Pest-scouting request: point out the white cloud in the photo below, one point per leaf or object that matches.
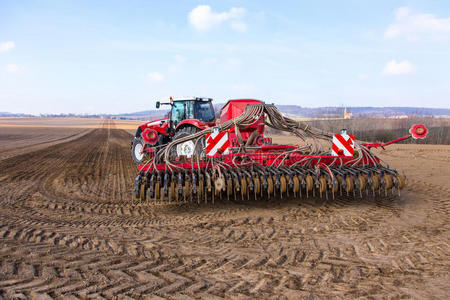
(203, 18)
(412, 25)
(180, 58)
(397, 68)
(11, 68)
(239, 26)
(6, 46)
(155, 77)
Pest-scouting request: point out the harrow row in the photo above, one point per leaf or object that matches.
(258, 182)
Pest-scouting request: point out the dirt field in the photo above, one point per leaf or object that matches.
(68, 230)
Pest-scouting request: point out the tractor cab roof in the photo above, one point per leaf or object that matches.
(191, 99)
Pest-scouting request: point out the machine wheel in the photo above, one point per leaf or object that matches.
(376, 181)
(388, 181)
(157, 191)
(322, 185)
(187, 148)
(172, 191)
(137, 145)
(143, 194)
(362, 182)
(296, 184)
(309, 183)
(350, 183)
(269, 186)
(283, 184)
(229, 187)
(243, 187)
(257, 184)
(401, 181)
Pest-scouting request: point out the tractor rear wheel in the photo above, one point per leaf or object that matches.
(187, 148)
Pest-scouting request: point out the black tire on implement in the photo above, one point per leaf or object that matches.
(186, 131)
(136, 146)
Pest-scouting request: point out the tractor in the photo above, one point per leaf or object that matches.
(186, 116)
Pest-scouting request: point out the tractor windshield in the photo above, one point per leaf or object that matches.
(201, 110)
(204, 111)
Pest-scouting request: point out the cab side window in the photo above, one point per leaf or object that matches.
(178, 112)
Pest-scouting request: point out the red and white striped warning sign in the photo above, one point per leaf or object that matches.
(215, 141)
(343, 144)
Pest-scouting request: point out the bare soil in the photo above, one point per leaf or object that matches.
(68, 230)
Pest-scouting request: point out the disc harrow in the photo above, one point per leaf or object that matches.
(264, 182)
(252, 169)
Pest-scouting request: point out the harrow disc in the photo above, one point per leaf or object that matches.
(349, 184)
(269, 186)
(143, 192)
(187, 190)
(172, 191)
(376, 181)
(388, 181)
(157, 190)
(243, 187)
(283, 184)
(257, 184)
(296, 186)
(229, 187)
(362, 182)
(309, 183)
(401, 181)
(322, 185)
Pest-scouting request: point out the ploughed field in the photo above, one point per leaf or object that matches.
(68, 229)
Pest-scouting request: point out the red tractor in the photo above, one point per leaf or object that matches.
(186, 116)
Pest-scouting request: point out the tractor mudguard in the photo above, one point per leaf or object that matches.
(160, 126)
(191, 122)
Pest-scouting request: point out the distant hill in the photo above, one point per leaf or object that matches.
(288, 110)
(8, 114)
(307, 112)
(368, 111)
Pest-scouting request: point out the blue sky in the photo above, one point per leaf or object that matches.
(121, 56)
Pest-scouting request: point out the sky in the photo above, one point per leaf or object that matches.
(122, 56)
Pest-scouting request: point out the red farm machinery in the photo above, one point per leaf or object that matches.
(191, 157)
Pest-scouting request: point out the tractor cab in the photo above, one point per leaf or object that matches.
(192, 111)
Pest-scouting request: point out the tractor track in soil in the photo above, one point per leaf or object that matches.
(68, 230)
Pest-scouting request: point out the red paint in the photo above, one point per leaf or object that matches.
(150, 136)
(212, 142)
(191, 122)
(346, 144)
(265, 159)
(418, 131)
(160, 125)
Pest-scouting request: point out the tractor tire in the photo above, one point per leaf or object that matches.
(137, 145)
(186, 131)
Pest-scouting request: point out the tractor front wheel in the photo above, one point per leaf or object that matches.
(137, 147)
